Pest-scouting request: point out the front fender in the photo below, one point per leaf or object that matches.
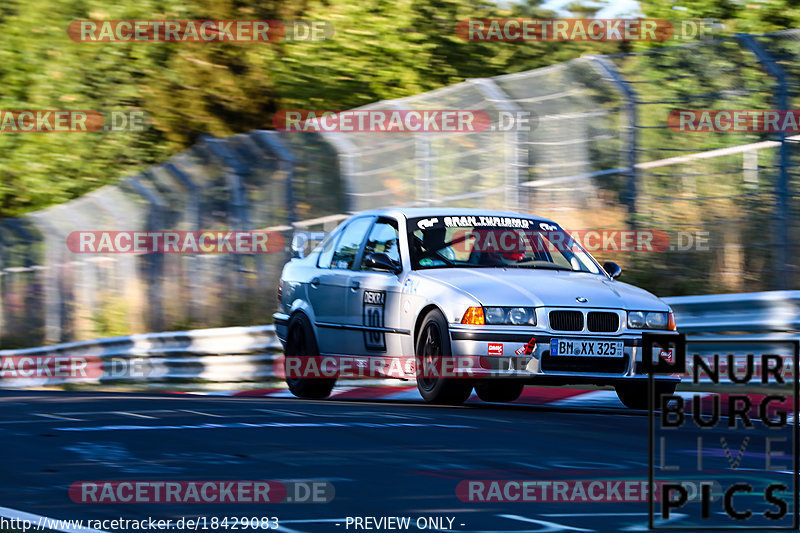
(451, 301)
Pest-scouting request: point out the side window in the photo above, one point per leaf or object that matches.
(346, 249)
(384, 238)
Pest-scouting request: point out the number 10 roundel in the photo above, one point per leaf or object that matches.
(374, 303)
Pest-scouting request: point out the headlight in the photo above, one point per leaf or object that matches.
(494, 315)
(647, 320)
(636, 319)
(518, 316)
(656, 320)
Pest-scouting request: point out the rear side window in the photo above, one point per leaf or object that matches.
(347, 248)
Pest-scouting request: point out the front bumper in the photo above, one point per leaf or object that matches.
(540, 367)
(281, 321)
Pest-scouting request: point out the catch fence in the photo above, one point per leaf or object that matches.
(599, 154)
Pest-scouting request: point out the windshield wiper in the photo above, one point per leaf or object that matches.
(542, 267)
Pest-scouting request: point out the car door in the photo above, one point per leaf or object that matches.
(374, 299)
(328, 289)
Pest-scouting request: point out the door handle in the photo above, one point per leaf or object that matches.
(354, 286)
(315, 282)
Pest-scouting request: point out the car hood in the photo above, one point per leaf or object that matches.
(538, 288)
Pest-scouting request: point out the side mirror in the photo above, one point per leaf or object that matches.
(381, 261)
(612, 269)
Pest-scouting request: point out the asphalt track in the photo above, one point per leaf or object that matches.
(401, 458)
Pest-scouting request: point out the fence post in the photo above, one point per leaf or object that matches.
(286, 160)
(610, 72)
(25, 236)
(516, 157)
(53, 259)
(195, 294)
(423, 155)
(154, 261)
(347, 166)
(272, 141)
(235, 171)
(3, 278)
(781, 188)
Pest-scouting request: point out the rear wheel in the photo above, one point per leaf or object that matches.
(634, 395)
(433, 348)
(498, 390)
(300, 342)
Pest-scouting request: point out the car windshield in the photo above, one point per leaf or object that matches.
(493, 241)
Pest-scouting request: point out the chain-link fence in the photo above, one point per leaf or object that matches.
(733, 187)
(598, 155)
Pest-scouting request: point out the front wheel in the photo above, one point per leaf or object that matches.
(300, 342)
(634, 395)
(433, 348)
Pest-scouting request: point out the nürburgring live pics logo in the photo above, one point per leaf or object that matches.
(746, 456)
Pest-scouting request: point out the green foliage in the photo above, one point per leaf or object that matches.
(747, 17)
(41, 68)
(381, 49)
(711, 194)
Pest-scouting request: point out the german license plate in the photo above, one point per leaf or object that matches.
(586, 348)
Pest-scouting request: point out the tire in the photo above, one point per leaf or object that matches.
(300, 342)
(634, 395)
(433, 344)
(498, 390)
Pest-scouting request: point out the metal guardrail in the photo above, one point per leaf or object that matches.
(249, 354)
(773, 311)
(707, 346)
(220, 355)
